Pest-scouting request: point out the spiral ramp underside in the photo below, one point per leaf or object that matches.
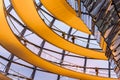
(25, 9)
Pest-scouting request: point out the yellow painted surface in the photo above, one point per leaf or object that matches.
(12, 44)
(27, 12)
(62, 11)
(3, 77)
(67, 6)
(103, 44)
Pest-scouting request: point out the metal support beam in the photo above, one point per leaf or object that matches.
(52, 22)
(39, 8)
(85, 61)
(58, 78)
(69, 33)
(109, 69)
(115, 8)
(9, 64)
(9, 9)
(41, 49)
(63, 52)
(16, 20)
(22, 33)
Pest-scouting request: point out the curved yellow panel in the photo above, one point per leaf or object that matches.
(67, 6)
(4, 77)
(27, 12)
(61, 10)
(10, 42)
(103, 44)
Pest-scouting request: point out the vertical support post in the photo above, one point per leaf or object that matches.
(85, 62)
(9, 64)
(109, 70)
(79, 8)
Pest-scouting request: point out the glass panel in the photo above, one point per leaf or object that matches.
(45, 76)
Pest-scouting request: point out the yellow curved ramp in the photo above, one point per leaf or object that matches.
(4, 77)
(67, 6)
(31, 18)
(103, 44)
(62, 11)
(12, 44)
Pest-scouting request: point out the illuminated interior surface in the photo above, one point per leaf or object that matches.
(65, 14)
(45, 59)
(36, 24)
(4, 77)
